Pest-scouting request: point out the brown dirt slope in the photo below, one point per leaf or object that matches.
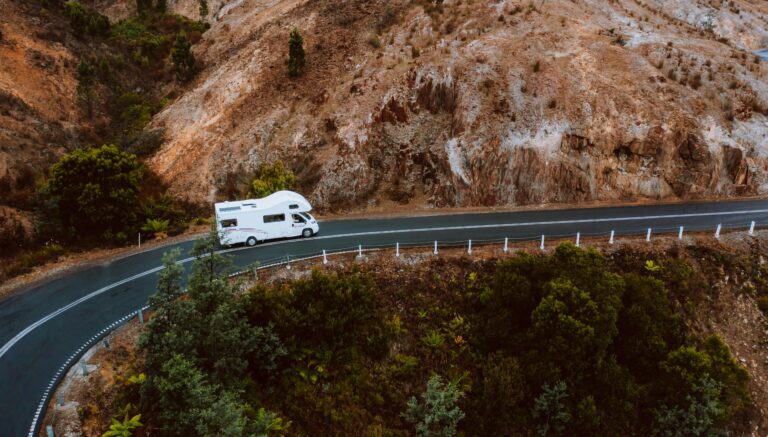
(478, 103)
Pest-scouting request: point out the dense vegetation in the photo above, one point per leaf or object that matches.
(124, 72)
(569, 344)
(93, 196)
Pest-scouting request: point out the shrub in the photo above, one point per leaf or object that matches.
(296, 57)
(86, 21)
(183, 59)
(272, 178)
(551, 410)
(95, 190)
(762, 303)
(49, 252)
(437, 414)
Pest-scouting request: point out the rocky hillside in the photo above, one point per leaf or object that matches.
(457, 103)
(478, 103)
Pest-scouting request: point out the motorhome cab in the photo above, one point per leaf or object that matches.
(280, 215)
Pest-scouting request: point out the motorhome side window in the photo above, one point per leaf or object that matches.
(293, 206)
(229, 223)
(274, 218)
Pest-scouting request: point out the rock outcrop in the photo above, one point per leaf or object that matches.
(477, 103)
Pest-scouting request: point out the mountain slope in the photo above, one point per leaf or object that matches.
(478, 103)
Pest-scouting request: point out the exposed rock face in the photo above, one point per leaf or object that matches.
(466, 103)
(478, 103)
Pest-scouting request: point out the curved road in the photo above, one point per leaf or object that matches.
(42, 326)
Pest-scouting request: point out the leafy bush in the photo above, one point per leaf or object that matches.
(95, 190)
(271, 178)
(437, 414)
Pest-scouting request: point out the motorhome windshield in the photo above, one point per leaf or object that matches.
(306, 216)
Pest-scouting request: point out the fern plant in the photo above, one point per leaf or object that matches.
(124, 428)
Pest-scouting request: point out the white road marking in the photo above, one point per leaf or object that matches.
(35, 325)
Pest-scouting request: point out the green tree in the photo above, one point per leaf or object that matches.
(272, 178)
(649, 327)
(551, 410)
(296, 56)
(182, 394)
(437, 414)
(95, 189)
(496, 395)
(183, 59)
(203, 9)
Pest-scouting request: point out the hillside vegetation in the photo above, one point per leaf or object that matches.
(574, 343)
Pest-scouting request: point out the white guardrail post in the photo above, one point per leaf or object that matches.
(752, 228)
(506, 244)
(469, 247)
(435, 251)
(397, 249)
(360, 250)
(578, 238)
(648, 235)
(610, 240)
(717, 231)
(680, 234)
(542, 242)
(325, 257)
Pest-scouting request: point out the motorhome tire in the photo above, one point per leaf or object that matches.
(251, 241)
(306, 233)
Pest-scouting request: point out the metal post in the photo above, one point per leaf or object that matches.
(542, 242)
(506, 244)
(49, 430)
(360, 250)
(610, 240)
(140, 315)
(578, 237)
(752, 228)
(680, 234)
(106, 343)
(648, 235)
(139, 239)
(717, 231)
(397, 249)
(435, 252)
(84, 367)
(469, 247)
(325, 258)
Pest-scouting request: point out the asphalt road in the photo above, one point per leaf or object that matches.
(42, 326)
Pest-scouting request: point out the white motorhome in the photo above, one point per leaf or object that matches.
(282, 214)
